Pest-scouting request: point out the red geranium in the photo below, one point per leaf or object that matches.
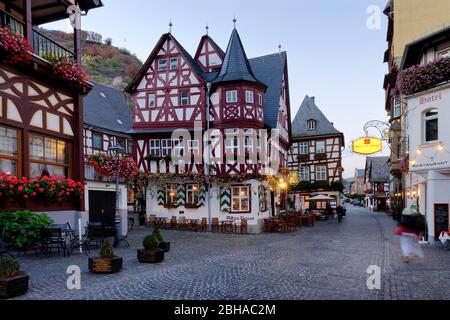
(65, 69)
(13, 47)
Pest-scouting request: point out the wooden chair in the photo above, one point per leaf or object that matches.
(215, 227)
(267, 225)
(182, 224)
(151, 221)
(174, 223)
(204, 225)
(243, 227)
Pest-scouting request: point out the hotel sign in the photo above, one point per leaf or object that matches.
(367, 146)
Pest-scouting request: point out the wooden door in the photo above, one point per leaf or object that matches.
(102, 207)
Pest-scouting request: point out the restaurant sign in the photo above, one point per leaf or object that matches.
(367, 146)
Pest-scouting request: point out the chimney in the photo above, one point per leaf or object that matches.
(313, 99)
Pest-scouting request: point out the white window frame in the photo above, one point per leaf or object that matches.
(155, 148)
(260, 100)
(445, 53)
(323, 149)
(321, 173)
(244, 194)
(231, 96)
(311, 125)
(305, 173)
(248, 144)
(303, 148)
(232, 144)
(162, 66)
(173, 62)
(425, 123)
(249, 96)
(152, 100)
(171, 193)
(193, 147)
(178, 148)
(184, 100)
(397, 107)
(192, 192)
(166, 147)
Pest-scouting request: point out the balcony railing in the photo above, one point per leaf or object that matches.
(91, 174)
(41, 44)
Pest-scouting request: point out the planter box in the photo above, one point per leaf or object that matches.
(164, 245)
(105, 266)
(14, 287)
(155, 256)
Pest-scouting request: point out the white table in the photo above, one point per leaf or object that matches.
(445, 237)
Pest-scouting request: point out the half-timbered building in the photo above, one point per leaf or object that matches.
(238, 99)
(41, 116)
(316, 154)
(107, 121)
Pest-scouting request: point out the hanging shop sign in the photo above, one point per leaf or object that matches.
(367, 145)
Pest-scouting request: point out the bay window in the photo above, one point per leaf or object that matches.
(249, 97)
(48, 156)
(240, 199)
(232, 96)
(9, 150)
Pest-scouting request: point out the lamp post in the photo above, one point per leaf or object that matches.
(207, 160)
(117, 151)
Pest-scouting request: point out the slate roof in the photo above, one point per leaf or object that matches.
(105, 107)
(270, 70)
(266, 70)
(360, 173)
(235, 66)
(379, 169)
(310, 111)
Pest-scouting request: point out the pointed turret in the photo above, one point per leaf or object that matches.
(236, 66)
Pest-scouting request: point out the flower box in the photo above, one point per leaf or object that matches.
(105, 265)
(150, 256)
(14, 286)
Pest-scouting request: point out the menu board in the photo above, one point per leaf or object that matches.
(441, 219)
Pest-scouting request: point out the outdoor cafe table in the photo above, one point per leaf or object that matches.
(445, 237)
(228, 226)
(192, 223)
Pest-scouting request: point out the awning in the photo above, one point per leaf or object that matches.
(321, 198)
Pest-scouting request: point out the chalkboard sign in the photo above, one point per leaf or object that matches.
(441, 219)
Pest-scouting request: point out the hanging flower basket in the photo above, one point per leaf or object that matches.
(14, 48)
(107, 166)
(421, 78)
(64, 69)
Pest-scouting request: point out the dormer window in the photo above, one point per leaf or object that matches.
(162, 64)
(173, 63)
(232, 96)
(312, 125)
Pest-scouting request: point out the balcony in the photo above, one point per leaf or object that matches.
(90, 174)
(40, 43)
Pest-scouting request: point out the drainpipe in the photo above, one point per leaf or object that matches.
(207, 160)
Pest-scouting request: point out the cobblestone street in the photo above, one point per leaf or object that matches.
(328, 261)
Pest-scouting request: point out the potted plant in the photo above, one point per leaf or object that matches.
(164, 245)
(151, 252)
(107, 263)
(13, 282)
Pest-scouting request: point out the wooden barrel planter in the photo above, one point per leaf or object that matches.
(164, 245)
(150, 256)
(105, 265)
(14, 286)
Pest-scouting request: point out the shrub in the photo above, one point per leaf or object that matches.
(23, 227)
(151, 242)
(9, 267)
(157, 234)
(106, 250)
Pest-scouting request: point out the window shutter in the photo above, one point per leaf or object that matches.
(202, 197)
(225, 199)
(181, 195)
(161, 199)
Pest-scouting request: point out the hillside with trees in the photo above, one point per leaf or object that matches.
(104, 62)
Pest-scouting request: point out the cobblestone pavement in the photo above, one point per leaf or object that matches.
(328, 261)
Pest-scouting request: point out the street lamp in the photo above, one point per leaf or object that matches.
(117, 151)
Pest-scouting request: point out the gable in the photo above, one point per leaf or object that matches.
(209, 55)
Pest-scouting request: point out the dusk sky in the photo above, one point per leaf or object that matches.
(332, 54)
